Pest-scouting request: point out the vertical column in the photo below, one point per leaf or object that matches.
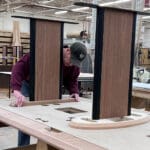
(113, 63)
(46, 47)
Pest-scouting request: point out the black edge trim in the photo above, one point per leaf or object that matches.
(32, 58)
(24, 17)
(131, 63)
(98, 63)
(61, 60)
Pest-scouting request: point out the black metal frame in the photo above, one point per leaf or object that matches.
(131, 63)
(32, 57)
(98, 63)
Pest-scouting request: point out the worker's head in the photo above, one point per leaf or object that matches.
(83, 34)
(75, 54)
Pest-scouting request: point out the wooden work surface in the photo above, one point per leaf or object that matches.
(36, 120)
(141, 90)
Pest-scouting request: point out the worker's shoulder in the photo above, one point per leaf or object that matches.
(26, 57)
(75, 70)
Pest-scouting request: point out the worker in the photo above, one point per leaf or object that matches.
(83, 35)
(72, 58)
(86, 66)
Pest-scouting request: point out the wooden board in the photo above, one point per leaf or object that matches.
(115, 64)
(30, 147)
(47, 59)
(141, 98)
(59, 140)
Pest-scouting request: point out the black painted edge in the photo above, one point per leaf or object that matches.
(32, 58)
(61, 61)
(131, 63)
(98, 64)
(52, 20)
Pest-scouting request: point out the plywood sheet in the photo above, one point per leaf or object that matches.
(51, 117)
(60, 140)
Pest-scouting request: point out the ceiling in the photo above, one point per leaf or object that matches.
(48, 8)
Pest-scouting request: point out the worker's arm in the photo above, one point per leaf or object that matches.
(20, 72)
(19, 99)
(73, 84)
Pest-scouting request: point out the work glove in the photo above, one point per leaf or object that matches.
(75, 96)
(20, 99)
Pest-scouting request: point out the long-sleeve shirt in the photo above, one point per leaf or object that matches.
(21, 72)
(70, 78)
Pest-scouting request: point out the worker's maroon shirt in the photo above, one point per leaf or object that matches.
(20, 72)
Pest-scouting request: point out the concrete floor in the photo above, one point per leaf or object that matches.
(9, 138)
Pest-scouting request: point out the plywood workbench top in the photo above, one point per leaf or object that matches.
(130, 138)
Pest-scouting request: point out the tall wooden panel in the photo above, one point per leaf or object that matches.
(47, 60)
(116, 60)
(46, 47)
(113, 63)
(114, 54)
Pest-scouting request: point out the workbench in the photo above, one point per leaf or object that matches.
(141, 95)
(7, 73)
(140, 91)
(49, 123)
(86, 77)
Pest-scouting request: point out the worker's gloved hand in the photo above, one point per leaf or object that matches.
(20, 99)
(75, 96)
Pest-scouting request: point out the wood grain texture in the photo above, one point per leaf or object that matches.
(47, 102)
(41, 145)
(116, 61)
(58, 140)
(142, 93)
(33, 147)
(29, 147)
(47, 60)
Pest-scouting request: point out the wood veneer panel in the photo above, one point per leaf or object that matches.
(116, 59)
(47, 60)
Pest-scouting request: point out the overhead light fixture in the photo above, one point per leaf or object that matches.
(114, 2)
(46, 1)
(22, 11)
(60, 12)
(146, 17)
(80, 9)
(89, 17)
(145, 9)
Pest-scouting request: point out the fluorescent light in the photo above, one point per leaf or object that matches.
(146, 9)
(22, 11)
(60, 12)
(88, 17)
(46, 1)
(115, 2)
(81, 8)
(146, 17)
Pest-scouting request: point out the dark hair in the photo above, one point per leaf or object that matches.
(82, 33)
(65, 46)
